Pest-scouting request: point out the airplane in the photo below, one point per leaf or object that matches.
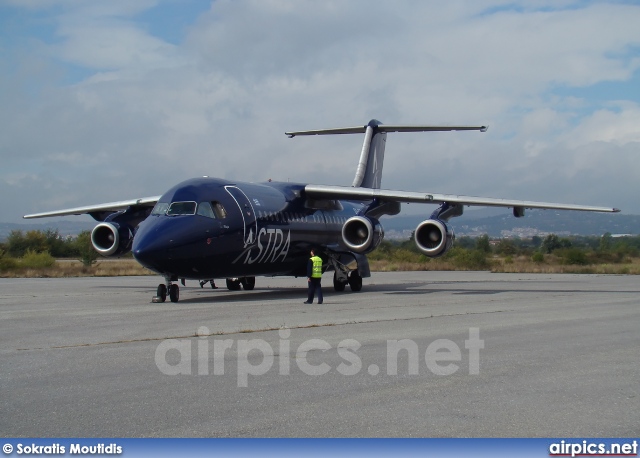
(212, 228)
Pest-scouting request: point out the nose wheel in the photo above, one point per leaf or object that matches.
(172, 289)
(174, 292)
(161, 293)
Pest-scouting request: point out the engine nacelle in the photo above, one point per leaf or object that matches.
(111, 239)
(433, 237)
(361, 234)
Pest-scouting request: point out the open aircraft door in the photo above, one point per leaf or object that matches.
(248, 214)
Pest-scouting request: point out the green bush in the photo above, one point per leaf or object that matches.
(404, 255)
(471, 259)
(18, 243)
(7, 263)
(537, 257)
(573, 256)
(33, 260)
(605, 257)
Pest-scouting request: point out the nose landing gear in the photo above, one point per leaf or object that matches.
(163, 288)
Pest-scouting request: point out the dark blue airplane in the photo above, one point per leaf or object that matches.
(208, 228)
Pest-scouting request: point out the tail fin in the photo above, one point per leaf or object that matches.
(369, 171)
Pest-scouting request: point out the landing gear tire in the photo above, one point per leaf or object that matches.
(161, 292)
(174, 293)
(248, 283)
(337, 284)
(355, 281)
(233, 284)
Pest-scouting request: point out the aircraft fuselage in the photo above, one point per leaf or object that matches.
(212, 228)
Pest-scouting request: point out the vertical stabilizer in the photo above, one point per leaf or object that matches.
(369, 172)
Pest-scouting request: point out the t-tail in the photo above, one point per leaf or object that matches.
(369, 171)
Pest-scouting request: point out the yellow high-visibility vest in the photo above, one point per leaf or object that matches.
(316, 271)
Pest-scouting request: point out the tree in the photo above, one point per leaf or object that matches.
(565, 243)
(466, 242)
(506, 247)
(482, 244)
(56, 245)
(88, 256)
(16, 244)
(606, 242)
(550, 243)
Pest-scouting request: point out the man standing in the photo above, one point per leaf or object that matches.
(314, 276)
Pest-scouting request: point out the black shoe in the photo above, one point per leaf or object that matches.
(320, 302)
(307, 302)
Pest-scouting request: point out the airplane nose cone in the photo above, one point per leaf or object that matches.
(152, 243)
(149, 251)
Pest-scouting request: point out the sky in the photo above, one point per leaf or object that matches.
(108, 100)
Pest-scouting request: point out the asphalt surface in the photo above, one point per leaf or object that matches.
(484, 355)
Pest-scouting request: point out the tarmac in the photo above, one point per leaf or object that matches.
(414, 354)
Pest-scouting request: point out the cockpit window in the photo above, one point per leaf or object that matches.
(204, 209)
(219, 210)
(160, 208)
(182, 208)
(213, 210)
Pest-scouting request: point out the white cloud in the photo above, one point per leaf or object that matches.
(148, 113)
(618, 126)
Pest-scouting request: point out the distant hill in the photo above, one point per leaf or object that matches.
(535, 222)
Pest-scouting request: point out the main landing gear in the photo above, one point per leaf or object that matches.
(344, 274)
(247, 283)
(354, 280)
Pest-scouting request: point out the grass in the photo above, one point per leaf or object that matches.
(553, 265)
(74, 268)
(509, 264)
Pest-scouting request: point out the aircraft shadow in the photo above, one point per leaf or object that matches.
(418, 289)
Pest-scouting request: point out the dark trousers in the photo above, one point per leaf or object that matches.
(314, 285)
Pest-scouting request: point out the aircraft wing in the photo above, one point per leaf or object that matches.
(109, 207)
(386, 195)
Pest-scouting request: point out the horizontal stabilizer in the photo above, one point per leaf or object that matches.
(386, 128)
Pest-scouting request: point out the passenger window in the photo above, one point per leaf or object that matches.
(204, 209)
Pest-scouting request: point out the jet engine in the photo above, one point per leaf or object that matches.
(434, 237)
(111, 239)
(361, 234)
